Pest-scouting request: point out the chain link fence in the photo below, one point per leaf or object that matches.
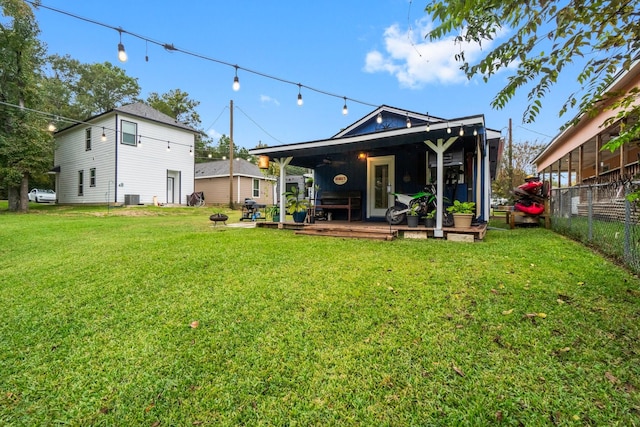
(600, 216)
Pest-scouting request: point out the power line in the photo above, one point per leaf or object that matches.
(255, 123)
(171, 48)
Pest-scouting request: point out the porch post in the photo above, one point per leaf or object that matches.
(440, 147)
(486, 203)
(282, 163)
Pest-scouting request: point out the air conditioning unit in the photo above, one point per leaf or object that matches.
(131, 199)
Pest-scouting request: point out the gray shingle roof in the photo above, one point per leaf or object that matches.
(220, 168)
(144, 111)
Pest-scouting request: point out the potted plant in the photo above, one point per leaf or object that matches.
(462, 213)
(412, 215)
(274, 213)
(430, 219)
(296, 204)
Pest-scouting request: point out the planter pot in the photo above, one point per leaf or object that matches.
(412, 221)
(299, 216)
(276, 218)
(462, 220)
(430, 222)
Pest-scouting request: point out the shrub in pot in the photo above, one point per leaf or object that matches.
(462, 213)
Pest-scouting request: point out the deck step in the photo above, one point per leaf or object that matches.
(354, 233)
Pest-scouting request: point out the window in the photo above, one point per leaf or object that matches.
(87, 139)
(256, 187)
(80, 183)
(92, 177)
(129, 132)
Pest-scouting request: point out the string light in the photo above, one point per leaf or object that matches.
(103, 138)
(379, 118)
(236, 81)
(191, 150)
(300, 101)
(448, 128)
(475, 132)
(140, 141)
(428, 124)
(168, 146)
(122, 55)
(171, 48)
(408, 121)
(345, 110)
(461, 133)
(51, 127)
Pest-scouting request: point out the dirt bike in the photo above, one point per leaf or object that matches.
(420, 203)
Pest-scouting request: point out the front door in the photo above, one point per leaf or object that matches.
(380, 176)
(170, 198)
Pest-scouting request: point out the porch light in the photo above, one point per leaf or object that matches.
(263, 162)
(345, 110)
(122, 55)
(236, 81)
(362, 156)
(379, 118)
(103, 138)
(300, 102)
(408, 121)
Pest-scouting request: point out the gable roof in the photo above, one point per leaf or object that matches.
(387, 118)
(220, 168)
(141, 110)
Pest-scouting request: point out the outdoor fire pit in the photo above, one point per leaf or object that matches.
(218, 217)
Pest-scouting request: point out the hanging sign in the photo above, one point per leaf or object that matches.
(340, 179)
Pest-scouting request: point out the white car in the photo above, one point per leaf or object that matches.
(42, 196)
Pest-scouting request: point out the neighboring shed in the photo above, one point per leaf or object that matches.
(212, 178)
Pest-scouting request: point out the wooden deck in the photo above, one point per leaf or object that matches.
(378, 230)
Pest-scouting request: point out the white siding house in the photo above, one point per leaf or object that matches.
(131, 154)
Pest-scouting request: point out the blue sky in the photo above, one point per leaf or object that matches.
(369, 51)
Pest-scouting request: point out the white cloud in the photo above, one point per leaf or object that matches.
(416, 61)
(214, 134)
(266, 99)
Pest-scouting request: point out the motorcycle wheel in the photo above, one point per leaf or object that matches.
(393, 217)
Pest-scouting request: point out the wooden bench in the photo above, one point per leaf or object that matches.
(340, 200)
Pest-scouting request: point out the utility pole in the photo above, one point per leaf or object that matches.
(231, 204)
(510, 158)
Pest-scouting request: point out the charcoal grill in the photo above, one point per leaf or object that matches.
(251, 210)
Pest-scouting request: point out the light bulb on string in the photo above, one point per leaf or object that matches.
(448, 128)
(103, 138)
(236, 81)
(122, 55)
(461, 132)
(168, 146)
(408, 121)
(345, 110)
(475, 132)
(300, 101)
(379, 118)
(191, 150)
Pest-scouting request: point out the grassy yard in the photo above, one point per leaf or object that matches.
(152, 317)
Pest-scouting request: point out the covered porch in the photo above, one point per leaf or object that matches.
(393, 150)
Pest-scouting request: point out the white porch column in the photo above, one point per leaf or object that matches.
(282, 163)
(440, 147)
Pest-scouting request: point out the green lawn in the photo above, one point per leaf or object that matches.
(525, 328)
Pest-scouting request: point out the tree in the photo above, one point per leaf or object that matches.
(603, 35)
(79, 91)
(178, 105)
(25, 145)
(523, 155)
